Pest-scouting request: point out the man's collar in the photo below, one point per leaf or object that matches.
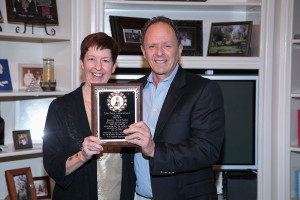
(168, 79)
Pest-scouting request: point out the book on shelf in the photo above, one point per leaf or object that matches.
(5, 81)
(297, 184)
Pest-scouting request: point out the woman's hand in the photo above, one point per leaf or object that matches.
(90, 146)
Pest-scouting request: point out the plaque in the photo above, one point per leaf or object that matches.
(115, 106)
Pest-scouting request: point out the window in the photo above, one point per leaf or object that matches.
(31, 114)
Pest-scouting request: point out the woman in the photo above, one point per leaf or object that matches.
(72, 157)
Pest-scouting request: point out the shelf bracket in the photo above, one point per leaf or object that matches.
(52, 30)
(25, 26)
(18, 28)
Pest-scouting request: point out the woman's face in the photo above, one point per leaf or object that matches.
(97, 65)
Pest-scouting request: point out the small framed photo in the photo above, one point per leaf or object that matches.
(230, 39)
(20, 183)
(42, 187)
(191, 37)
(32, 11)
(22, 139)
(27, 72)
(127, 31)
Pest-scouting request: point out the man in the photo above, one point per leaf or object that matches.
(183, 128)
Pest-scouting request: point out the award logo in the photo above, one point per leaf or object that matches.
(116, 101)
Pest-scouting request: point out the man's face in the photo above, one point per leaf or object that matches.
(161, 50)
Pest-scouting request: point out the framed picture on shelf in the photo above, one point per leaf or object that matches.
(230, 39)
(127, 31)
(191, 37)
(42, 187)
(5, 80)
(33, 11)
(20, 183)
(27, 72)
(22, 139)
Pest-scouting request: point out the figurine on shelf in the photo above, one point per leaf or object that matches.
(34, 86)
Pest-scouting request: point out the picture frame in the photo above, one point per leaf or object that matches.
(29, 71)
(5, 80)
(35, 12)
(115, 106)
(22, 139)
(127, 32)
(230, 38)
(20, 183)
(42, 187)
(191, 37)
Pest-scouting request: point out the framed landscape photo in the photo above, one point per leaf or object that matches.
(115, 106)
(191, 37)
(29, 71)
(32, 11)
(127, 31)
(230, 39)
(42, 187)
(20, 183)
(22, 139)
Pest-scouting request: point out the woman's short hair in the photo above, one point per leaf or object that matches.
(99, 40)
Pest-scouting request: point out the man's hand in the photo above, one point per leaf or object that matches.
(141, 136)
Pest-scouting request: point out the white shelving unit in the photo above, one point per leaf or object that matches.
(222, 11)
(30, 48)
(286, 97)
(32, 37)
(36, 149)
(294, 95)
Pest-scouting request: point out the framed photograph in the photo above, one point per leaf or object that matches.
(22, 139)
(191, 37)
(5, 80)
(115, 106)
(42, 187)
(20, 183)
(229, 39)
(127, 31)
(32, 11)
(29, 71)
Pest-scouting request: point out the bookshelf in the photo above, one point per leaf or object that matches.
(286, 95)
